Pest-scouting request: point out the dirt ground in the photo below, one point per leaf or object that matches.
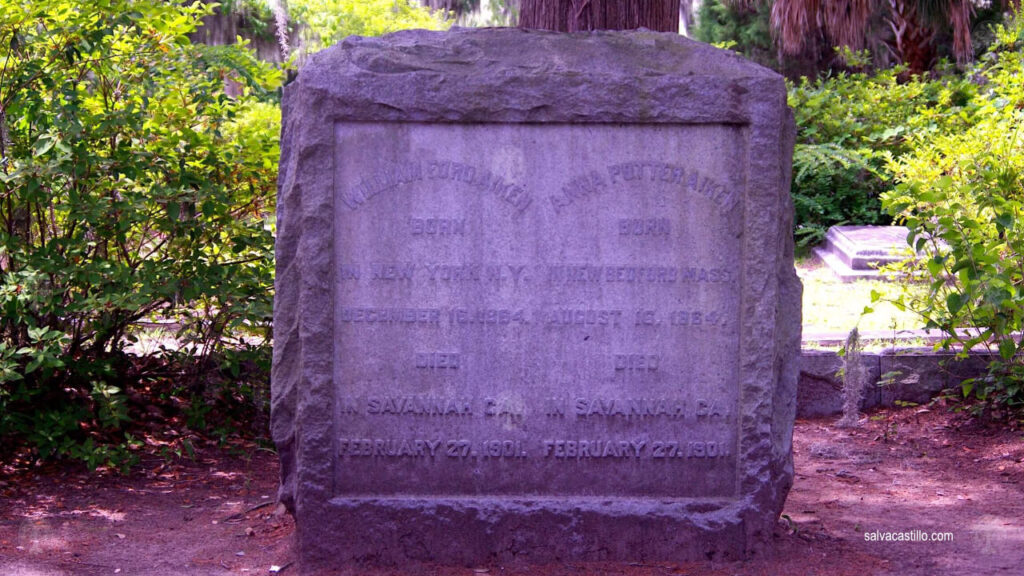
(906, 470)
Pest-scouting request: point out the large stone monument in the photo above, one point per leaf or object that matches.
(535, 300)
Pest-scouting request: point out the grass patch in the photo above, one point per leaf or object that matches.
(831, 305)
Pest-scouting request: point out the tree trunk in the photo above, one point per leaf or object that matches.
(912, 42)
(579, 15)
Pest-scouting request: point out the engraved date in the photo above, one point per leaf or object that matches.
(672, 449)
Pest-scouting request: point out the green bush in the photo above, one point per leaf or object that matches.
(849, 128)
(961, 194)
(329, 21)
(745, 28)
(132, 186)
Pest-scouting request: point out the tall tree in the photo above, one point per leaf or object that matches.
(579, 15)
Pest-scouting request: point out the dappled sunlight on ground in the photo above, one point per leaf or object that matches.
(961, 485)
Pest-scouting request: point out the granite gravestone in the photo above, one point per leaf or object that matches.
(535, 299)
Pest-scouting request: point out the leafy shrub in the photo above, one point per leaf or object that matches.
(849, 128)
(746, 27)
(329, 21)
(961, 193)
(132, 186)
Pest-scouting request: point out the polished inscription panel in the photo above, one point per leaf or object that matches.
(537, 309)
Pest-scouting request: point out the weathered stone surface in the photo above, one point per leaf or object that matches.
(892, 375)
(918, 375)
(535, 300)
(820, 389)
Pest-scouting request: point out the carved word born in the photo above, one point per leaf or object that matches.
(437, 226)
(645, 227)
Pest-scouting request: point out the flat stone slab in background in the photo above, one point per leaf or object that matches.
(856, 252)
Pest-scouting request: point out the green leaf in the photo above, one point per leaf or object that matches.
(1007, 348)
(42, 145)
(954, 302)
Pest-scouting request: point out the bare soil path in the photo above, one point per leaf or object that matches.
(913, 471)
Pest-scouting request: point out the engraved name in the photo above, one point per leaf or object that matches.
(685, 180)
(692, 181)
(391, 177)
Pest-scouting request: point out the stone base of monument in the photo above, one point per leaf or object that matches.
(471, 531)
(857, 252)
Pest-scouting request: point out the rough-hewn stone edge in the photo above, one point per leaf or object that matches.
(286, 352)
(474, 531)
(302, 391)
(788, 328)
(403, 87)
(770, 314)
